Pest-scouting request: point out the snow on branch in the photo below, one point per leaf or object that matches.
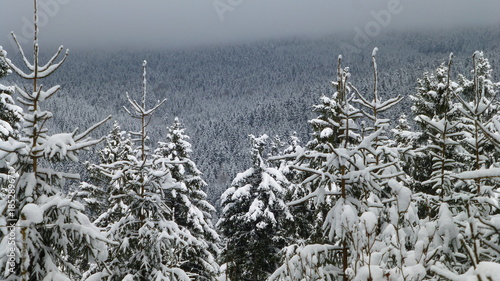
(11, 145)
(64, 146)
(89, 130)
(307, 262)
(26, 62)
(140, 111)
(37, 72)
(479, 174)
(319, 193)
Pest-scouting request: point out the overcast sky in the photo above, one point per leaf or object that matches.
(154, 23)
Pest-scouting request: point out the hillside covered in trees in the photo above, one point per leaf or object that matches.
(224, 93)
(276, 160)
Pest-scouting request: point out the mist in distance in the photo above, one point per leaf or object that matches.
(182, 23)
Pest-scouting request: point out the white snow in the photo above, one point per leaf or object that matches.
(241, 176)
(485, 173)
(32, 213)
(327, 132)
(446, 224)
(370, 221)
(59, 144)
(483, 271)
(403, 195)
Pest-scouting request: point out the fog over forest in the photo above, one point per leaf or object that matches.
(158, 23)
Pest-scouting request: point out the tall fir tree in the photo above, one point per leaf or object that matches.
(252, 219)
(188, 202)
(149, 244)
(305, 228)
(96, 191)
(371, 215)
(473, 205)
(326, 162)
(48, 234)
(432, 102)
(10, 121)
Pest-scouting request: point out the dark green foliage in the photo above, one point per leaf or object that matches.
(4, 68)
(253, 219)
(188, 203)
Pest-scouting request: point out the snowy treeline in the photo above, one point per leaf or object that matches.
(356, 201)
(363, 202)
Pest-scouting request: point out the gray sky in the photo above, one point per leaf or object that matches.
(154, 23)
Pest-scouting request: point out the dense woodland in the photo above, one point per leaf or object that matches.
(222, 94)
(275, 160)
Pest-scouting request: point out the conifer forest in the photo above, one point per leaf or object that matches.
(290, 159)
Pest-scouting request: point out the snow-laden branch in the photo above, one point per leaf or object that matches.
(37, 72)
(318, 193)
(51, 61)
(89, 130)
(478, 174)
(11, 145)
(25, 59)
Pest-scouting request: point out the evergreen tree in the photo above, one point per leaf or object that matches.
(251, 223)
(4, 67)
(433, 101)
(472, 200)
(441, 127)
(95, 193)
(326, 161)
(371, 220)
(188, 202)
(479, 106)
(305, 228)
(149, 244)
(49, 237)
(10, 121)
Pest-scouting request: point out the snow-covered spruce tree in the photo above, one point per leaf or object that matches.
(472, 202)
(188, 202)
(372, 111)
(305, 228)
(10, 120)
(150, 243)
(440, 127)
(479, 106)
(371, 224)
(431, 102)
(4, 68)
(251, 223)
(96, 192)
(441, 130)
(381, 222)
(383, 232)
(326, 161)
(46, 229)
